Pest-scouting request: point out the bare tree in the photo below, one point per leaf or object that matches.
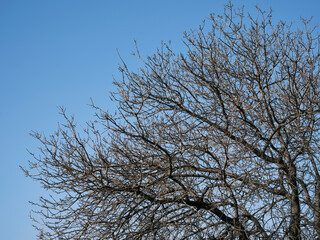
(219, 142)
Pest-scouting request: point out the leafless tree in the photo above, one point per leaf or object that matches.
(219, 142)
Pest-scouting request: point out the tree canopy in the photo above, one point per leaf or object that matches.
(218, 142)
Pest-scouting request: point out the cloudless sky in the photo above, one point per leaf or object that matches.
(63, 52)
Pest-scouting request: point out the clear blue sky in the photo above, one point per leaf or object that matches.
(62, 52)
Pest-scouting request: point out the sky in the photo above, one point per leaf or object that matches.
(64, 52)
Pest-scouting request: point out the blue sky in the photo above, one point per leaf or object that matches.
(63, 52)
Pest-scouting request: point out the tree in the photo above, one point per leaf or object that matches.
(220, 142)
